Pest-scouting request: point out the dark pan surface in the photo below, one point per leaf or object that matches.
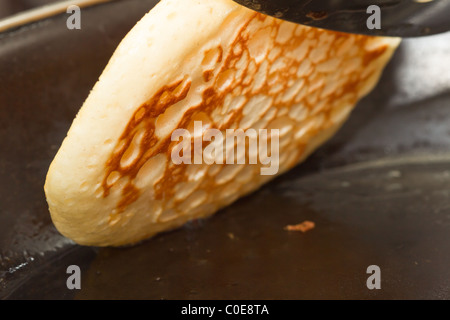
(379, 192)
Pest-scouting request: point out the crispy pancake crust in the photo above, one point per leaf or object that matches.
(113, 182)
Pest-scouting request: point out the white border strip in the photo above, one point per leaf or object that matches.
(43, 12)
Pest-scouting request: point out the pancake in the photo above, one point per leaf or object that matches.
(113, 181)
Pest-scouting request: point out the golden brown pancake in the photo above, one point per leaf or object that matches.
(113, 181)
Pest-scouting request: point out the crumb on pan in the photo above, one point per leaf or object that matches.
(302, 227)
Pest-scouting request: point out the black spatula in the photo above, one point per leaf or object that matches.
(402, 18)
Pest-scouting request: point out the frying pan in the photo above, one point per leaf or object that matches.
(378, 192)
